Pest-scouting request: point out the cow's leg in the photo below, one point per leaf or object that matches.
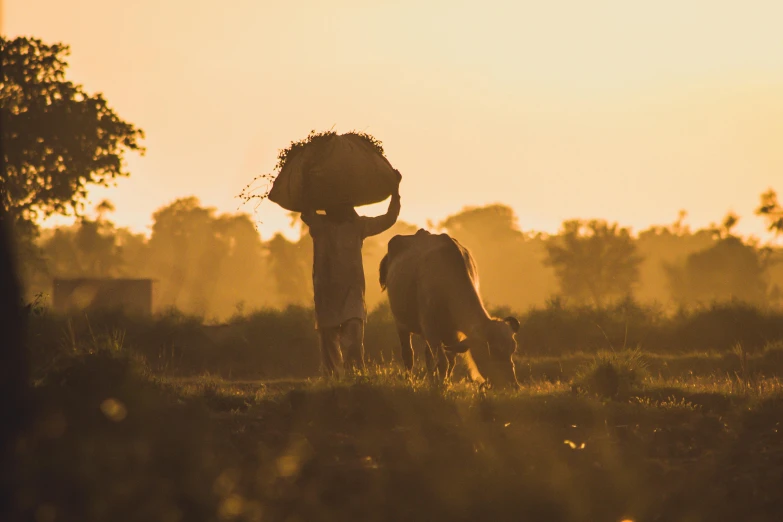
(474, 375)
(450, 350)
(451, 359)
(406, 348)
(432, 332)
(352, 344)
(433, 346)
(443, 363)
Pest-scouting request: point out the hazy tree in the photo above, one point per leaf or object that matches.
(723, 230)
(57, 139)
(594, 260)
(663, 246)
(511, 269)
(730, 269)
(291, 266)
(772, 211)
(207, 264)
(135, 253)
(244, 273)
(496, 223)
(89, 248)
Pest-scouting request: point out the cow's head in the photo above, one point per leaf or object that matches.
(502, 344)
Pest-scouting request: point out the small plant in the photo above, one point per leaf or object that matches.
(745, 380)
(612, 375)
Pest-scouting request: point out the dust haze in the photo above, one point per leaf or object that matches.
(216, 265)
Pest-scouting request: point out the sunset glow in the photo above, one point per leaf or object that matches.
(560, 110)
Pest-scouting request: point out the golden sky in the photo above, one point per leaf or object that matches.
(627, 111)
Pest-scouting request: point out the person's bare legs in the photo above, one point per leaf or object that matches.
(331, 363)
(352, 344)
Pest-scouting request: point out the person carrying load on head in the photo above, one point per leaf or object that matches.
(338, 278)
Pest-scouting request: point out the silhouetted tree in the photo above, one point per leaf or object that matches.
(57, 139)
(594, 260)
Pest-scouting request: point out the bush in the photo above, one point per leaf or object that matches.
(556, 329)
(275, 343)
(613, 375)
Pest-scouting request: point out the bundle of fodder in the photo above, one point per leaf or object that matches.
(348, 168)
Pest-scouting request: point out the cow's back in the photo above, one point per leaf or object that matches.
(427, 272)
(447, 273)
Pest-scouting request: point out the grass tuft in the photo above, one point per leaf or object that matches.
(613, 375)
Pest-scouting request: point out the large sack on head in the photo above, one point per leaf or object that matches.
(347, 168)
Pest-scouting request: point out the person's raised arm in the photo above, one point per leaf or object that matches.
(310, 218)
(376, 225)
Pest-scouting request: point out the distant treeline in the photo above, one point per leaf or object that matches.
(215, 265)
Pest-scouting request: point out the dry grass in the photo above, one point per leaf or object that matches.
(113, 440)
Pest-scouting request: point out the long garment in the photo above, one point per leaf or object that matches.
(338, 273)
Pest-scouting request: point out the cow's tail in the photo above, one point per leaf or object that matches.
(383, 270)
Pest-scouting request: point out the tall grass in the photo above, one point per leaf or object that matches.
(274, 343)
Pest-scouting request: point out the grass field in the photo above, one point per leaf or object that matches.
(622, 435)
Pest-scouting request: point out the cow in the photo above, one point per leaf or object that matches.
(433, 288)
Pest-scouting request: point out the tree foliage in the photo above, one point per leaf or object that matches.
(593, 260)
(57, 139)
(772, 211)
